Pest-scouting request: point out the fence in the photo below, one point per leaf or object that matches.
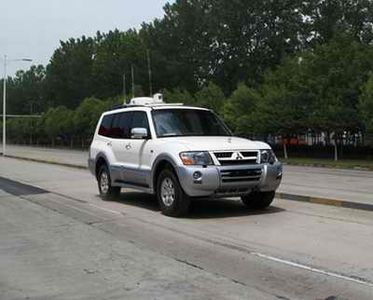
(325, 152)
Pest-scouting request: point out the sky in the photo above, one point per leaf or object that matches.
(33, 28)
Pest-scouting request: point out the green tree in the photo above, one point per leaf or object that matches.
(18, 130)
(116, 53)
(328, 18)
(178, 96)
(86, 117)
(179, 43)
(211, 97)
(318, 90)
(240, 108)
(69, 73)
(56, 123)
(366, 105)
(25, 91)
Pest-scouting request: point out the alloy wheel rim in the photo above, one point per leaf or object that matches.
(104, 183)
(167, 192)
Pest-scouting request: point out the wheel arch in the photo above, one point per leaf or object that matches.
(162, 162)
(100, 161)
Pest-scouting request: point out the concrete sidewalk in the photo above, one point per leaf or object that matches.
(336, 187)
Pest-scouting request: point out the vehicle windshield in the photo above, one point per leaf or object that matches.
(188, 122)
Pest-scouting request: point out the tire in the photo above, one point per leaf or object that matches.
(107, 191)
(258, 200)
(172, 199)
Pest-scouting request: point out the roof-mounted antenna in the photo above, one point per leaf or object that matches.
(133, 81)
(124, 89)
(149, 72)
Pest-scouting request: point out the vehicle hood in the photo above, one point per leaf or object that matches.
(218, 143)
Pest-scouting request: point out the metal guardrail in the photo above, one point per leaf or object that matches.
(22, 116)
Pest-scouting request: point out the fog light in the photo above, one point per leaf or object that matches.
(197, 175)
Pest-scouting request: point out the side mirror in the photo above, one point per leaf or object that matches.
(139, 133)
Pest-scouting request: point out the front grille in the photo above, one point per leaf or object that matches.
(223, 154)
(250, 153)
(238, 162)
(234, 158)
(245, 175)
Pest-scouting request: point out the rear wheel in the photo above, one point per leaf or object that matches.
(171, 197)
(258, 200)
(107, 191)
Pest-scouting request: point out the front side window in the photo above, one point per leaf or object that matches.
(188, 122)
(140, 120)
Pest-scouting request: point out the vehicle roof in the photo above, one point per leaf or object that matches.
(152, 107)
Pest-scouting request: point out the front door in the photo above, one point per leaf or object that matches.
(138, 151)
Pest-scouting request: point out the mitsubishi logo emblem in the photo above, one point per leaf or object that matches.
(237, 156)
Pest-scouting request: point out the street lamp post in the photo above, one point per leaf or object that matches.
(4, 106)
(4, 97)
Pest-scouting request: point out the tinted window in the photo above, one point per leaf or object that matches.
(140, 120)
(121, 126)
(188, 122)
(105, 125)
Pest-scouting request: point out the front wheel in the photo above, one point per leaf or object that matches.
(107, 191)
(258, 200)
(171, 197)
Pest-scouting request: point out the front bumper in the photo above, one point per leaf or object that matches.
(218, 181)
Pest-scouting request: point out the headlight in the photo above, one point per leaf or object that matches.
(267, 157)
(196, 158)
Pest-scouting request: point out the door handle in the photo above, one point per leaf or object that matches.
(109, 144)
(128, 146)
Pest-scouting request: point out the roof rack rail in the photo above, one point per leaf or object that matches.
(119, 106)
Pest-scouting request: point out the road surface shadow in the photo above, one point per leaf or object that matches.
(137, 199)
(200, 208)
(225, 208)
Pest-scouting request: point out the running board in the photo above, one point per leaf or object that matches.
(140, 187)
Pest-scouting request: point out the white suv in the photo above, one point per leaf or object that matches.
(179, 153)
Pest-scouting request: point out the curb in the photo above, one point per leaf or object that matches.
(326, 166)
(47, 162)
(325, 201)
(283, 196)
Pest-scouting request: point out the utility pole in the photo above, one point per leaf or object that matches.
(124, 88)
(133, 81)
(150, 73)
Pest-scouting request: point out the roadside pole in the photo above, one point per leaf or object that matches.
(4, 97)
(4, 106)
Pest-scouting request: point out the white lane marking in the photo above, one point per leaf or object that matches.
(241, 248)
(258, 254)
(105, 209)
(312, 269)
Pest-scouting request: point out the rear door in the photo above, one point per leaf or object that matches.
(120, 132)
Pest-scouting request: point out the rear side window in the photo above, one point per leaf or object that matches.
(118, 126)
(105, 126)
(121, 126)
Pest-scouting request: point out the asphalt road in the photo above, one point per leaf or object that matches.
(59, 240)
(345, 185)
